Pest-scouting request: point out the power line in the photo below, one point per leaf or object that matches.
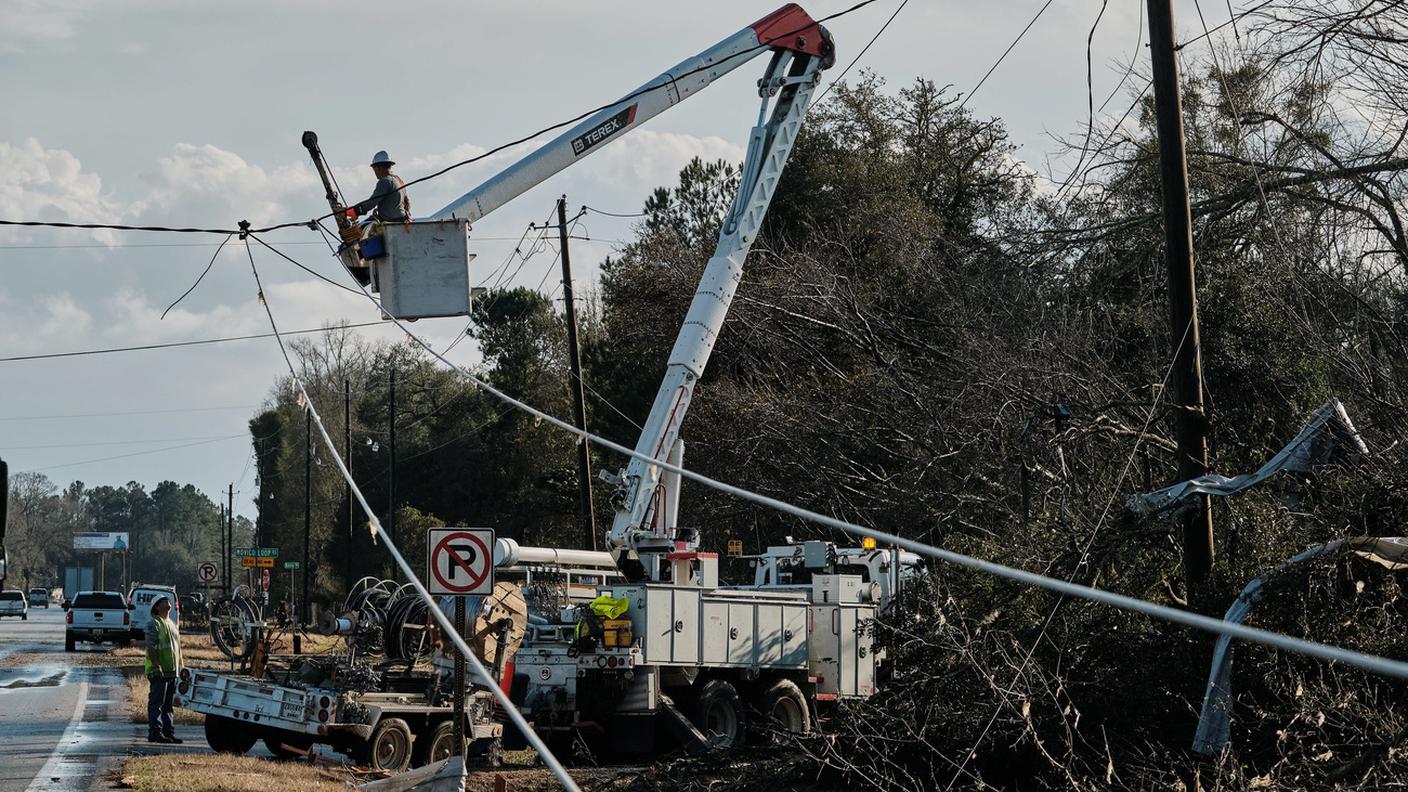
(139, 453)
(665, 85)
(174, 344)
(132, 412)
(113, 443)
(862, 52)
(586, 208)
(546, 754)
(1004, 54)
(1375, 664)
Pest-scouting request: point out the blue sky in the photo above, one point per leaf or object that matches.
(175, 112)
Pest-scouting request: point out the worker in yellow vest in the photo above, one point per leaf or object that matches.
(163, 663)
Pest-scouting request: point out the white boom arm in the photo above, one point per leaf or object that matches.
(644, 531)
(788, 28)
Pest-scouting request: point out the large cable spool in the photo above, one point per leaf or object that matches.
(504, 604)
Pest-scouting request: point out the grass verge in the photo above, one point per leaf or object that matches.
(137, 689)
(224, 773)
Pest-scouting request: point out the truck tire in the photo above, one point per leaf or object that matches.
(389, 747)
(276, 744)
(718, 713)
(227, 735)
(783, 710)
(68, 642)
(433, 747)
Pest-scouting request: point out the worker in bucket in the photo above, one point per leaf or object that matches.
(162, 664)
(388, 202)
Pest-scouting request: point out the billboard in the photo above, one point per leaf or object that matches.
(100, 540)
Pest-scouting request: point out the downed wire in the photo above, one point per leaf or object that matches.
(1373, 663)
(374, 525)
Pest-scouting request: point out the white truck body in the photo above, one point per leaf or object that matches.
(97, 617)
(141, 598)
(13, 603)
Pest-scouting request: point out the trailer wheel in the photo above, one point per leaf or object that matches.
(436, 746)
(226, 735)
(389, 747)
(718, 712)
(784, 710)
(280, 747)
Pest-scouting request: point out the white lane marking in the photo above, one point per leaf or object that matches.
(51, 767)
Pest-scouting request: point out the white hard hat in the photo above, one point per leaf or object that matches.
(382, 158)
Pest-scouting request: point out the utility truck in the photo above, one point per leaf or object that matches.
(677, 649)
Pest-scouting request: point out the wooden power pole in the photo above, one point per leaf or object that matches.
(1190, 421)
(586, 512)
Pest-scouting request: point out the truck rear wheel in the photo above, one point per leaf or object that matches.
(718, 712)
(68, 642)
(436, 746)
(784, 709)
(389, 747)
(226, 735)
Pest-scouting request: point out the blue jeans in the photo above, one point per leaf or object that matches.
(159, 706)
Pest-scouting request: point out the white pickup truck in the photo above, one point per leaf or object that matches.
(98, 617)
(12, 603)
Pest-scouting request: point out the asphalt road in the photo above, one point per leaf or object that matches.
(60, 725)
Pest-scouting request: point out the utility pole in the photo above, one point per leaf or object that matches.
(220, 529)
(230, 538)
(347, 450)
(1190, 421)
(391, 479)
(302, 611)
(586, 513)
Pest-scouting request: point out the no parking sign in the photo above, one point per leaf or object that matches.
(460, 561)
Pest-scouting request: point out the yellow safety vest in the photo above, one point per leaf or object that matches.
(168, 649)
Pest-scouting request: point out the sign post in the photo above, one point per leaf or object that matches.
(461, 564)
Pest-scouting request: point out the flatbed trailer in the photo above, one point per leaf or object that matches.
(390, 729)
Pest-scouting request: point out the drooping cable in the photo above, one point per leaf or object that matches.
(440, 617)
(203, 273)
(1004, 54)
(1373, 663)
(862, 52)
(176, 344)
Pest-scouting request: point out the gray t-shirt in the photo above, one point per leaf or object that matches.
(388, 199)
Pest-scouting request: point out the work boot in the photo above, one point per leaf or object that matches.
(172, 739)
(155, 738)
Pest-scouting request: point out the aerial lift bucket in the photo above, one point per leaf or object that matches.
(421, 269)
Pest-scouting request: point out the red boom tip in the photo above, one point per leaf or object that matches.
(790, 27)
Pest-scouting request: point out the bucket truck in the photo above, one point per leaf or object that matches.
(681, 651)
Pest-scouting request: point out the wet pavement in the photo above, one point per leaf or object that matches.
(60, 726)
(64, 727)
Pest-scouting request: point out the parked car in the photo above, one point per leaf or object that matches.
(12, 603)
(140, 600)
(39, 597)
(98, 617)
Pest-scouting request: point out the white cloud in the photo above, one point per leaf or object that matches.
(50, 185)
(207, 185)
(29, 22)
(654, 159)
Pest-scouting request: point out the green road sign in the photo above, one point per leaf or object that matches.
(292, 565)
(256, 552)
